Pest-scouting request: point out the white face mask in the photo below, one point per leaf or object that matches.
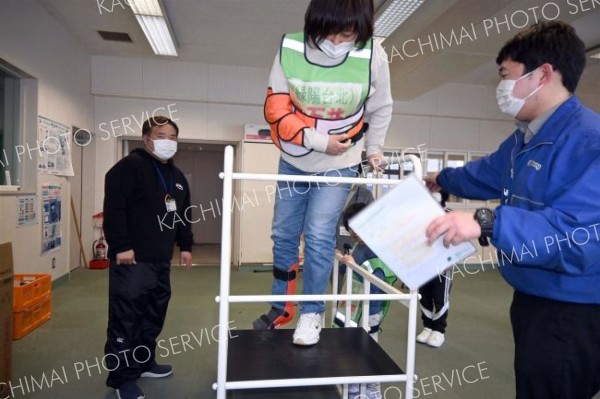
(164, 149)
(507, 102)
(336, 50)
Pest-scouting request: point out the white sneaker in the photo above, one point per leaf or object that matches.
(424, 335)
(353, 391)
(375, 320)
(374, 390)
(308, 329)
(436, 339)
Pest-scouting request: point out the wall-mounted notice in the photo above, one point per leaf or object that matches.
(26, 210)
(53, 148)
(51, 208)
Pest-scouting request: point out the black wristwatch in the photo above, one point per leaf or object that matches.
(485, 218)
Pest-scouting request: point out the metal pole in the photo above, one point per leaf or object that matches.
(315, 179)
(412, 308)
(417, 165)
(410, 348)
(225, 299)
(334, 287)
(225, 274)
(315, 297)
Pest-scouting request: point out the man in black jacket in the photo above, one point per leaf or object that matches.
(144, 204)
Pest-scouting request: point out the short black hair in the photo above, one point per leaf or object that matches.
(351, 211)
(157, 121)
(552, 42)
(329, 17)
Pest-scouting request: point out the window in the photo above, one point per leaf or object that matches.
(18, 126)
(474, 156)
(397, 166)
(435, 162)
(9, 128)
(455, 160)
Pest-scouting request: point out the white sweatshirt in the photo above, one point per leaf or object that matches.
(378, 114)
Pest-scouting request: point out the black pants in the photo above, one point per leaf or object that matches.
(138, 299)
(435, 302)
(557, 348)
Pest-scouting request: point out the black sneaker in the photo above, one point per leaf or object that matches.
(276, 318)
(129, 390)
(158, 371)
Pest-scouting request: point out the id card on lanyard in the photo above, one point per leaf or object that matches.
(170, 203)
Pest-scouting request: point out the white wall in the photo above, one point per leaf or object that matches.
(208, 102)
(36, 43)
(213, 102)
(454, 116)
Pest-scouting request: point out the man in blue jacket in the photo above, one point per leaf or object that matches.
(547, 177)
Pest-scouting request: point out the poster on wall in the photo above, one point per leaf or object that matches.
(53, 148)
(51, 206)
(26, 210)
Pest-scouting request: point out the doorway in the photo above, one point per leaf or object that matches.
(201, 164)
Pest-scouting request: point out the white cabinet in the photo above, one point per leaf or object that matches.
(254, 203)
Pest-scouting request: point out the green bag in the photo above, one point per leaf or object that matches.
(358, 288)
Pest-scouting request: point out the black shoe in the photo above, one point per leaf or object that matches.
(158, 371)
(129, 390)
(274, 319)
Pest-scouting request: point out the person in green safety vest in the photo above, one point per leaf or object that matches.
(328, 99)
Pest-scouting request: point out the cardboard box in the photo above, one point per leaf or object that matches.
(6, 260)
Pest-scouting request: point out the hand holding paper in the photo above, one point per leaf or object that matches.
(395, 228)
(456, 227)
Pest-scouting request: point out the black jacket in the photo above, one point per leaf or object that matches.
(135, 214)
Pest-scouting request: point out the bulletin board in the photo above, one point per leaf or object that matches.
(52, 148)
(51, 217)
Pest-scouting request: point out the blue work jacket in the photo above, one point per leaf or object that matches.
(547, 226)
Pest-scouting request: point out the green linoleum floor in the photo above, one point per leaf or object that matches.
(474, 363)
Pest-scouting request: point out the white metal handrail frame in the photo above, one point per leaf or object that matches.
(412, 303)
(224, 298)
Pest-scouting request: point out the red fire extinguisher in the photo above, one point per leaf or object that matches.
(99, 248)
(100, 260)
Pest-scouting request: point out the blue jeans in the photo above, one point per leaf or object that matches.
(313, 209)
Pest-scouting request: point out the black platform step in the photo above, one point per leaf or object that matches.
(271, 355)
(324, 392)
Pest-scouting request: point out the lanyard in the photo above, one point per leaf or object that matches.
(162, 179)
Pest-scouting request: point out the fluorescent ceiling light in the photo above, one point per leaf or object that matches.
(157, 33)
(154, 24)
(394, 15)
(146, 7)
(597, 55)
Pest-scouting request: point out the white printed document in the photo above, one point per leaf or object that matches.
(394, 228)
